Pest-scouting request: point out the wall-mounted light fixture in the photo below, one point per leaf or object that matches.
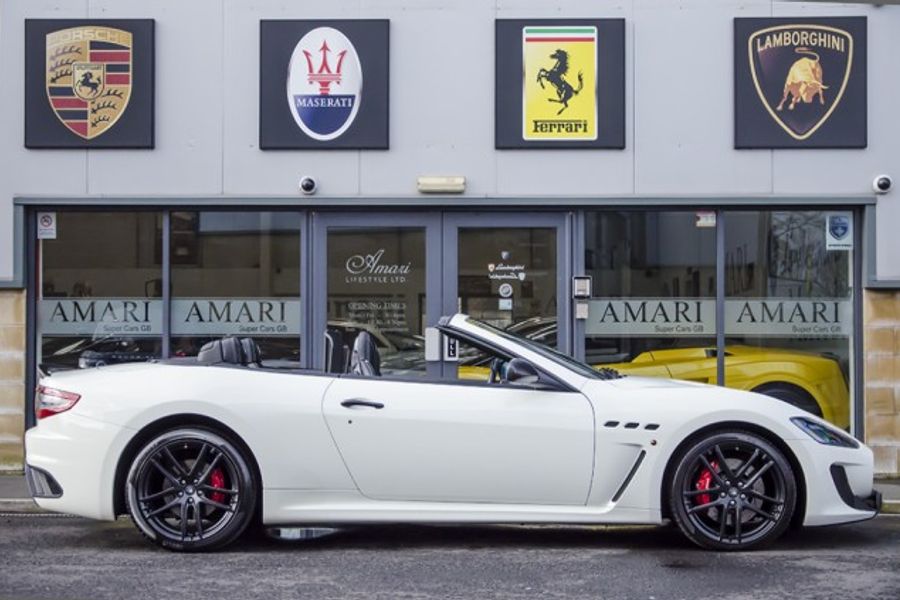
(453, 184)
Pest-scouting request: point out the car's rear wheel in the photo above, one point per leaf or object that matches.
(732, 491)
(191, 489)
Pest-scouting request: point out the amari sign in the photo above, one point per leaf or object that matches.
(235, 316)
(769, 317)
(100, 317)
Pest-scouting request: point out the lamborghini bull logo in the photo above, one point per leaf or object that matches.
(781, 78)
(804, 80)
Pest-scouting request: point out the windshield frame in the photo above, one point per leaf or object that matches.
(552, 354)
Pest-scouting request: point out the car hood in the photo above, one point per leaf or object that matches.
(686, 400)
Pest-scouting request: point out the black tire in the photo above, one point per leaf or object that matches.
(732, 490)
(191, 489)
(793, 395)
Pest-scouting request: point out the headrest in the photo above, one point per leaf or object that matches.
(365, 359)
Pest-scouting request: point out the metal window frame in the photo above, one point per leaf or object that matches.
(24, 248)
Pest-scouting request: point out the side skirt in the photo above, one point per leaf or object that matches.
(298, 507)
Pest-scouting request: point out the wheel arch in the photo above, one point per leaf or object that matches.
(167, 423)
(768, 435)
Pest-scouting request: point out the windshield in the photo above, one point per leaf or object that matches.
(545, 351)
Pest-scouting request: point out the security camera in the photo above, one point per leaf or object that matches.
(882, 184)
(308, 185)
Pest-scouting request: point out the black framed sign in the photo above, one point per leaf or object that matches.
(89, 83)
(323, 84)
(560, 83)
(800, 82)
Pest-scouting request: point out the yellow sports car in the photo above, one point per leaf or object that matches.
(813, 382)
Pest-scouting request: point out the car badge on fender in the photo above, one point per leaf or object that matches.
(324, 85)
(800, 73)
(88, 77)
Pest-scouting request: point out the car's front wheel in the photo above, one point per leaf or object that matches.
(732, 491)
(191, 489)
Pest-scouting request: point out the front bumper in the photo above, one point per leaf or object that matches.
(839, 483)
(872, 502)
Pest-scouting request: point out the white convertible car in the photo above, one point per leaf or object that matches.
(197, 450)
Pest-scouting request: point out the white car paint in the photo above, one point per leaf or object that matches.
(436, 452)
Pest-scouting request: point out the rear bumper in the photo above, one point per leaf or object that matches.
(71, 462)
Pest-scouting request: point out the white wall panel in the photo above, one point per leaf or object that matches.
(684, 101)
(25, 171)
(679, 107)
(189, 92)
(249, 170)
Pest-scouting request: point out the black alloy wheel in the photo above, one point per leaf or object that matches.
(191, 489)
(733, 491)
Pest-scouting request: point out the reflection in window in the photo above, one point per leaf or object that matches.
(100, 290)
(653, 311)
(376, 284)
(789, 310)
(507, 277)
(236, 273)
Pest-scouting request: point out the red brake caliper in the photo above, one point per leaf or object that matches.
(704, 482)
(217, 479)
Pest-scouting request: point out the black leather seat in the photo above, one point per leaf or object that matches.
(230, 351)
(250, 351)
(337, 353)
(365, 359)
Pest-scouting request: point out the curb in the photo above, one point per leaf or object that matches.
(891, 507)
(19, 505)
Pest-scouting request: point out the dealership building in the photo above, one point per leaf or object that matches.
(696, 190)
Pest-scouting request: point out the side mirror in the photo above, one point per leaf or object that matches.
(521, 372)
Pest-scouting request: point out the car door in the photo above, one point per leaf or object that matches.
(462, 441)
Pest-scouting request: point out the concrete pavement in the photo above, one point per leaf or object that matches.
(68, 558)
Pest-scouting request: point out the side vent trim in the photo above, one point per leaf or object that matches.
(628, 478)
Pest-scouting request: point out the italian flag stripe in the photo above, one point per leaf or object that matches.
(586, 32)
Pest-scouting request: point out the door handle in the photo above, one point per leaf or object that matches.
(351, 402)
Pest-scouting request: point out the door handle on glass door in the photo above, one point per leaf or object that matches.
(351, 402)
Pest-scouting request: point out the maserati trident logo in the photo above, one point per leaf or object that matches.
(324, 86)
(800, 73)
(88, 76)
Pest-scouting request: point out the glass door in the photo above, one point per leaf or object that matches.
(511, 270)
(376, 275)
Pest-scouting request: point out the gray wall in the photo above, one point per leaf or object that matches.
(678, 97)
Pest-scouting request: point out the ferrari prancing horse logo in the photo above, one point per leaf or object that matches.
(800, 73)
(89, 74)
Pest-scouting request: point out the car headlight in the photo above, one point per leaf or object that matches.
(824, 434)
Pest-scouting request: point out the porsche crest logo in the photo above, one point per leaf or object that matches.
(89, 75)
(800, 72)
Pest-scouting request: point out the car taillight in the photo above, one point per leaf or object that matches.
(51, 401)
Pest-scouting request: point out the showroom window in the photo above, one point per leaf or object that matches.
(789, 309)
(787, 305)
(654, 289)
(100, 289)
(236, 273)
